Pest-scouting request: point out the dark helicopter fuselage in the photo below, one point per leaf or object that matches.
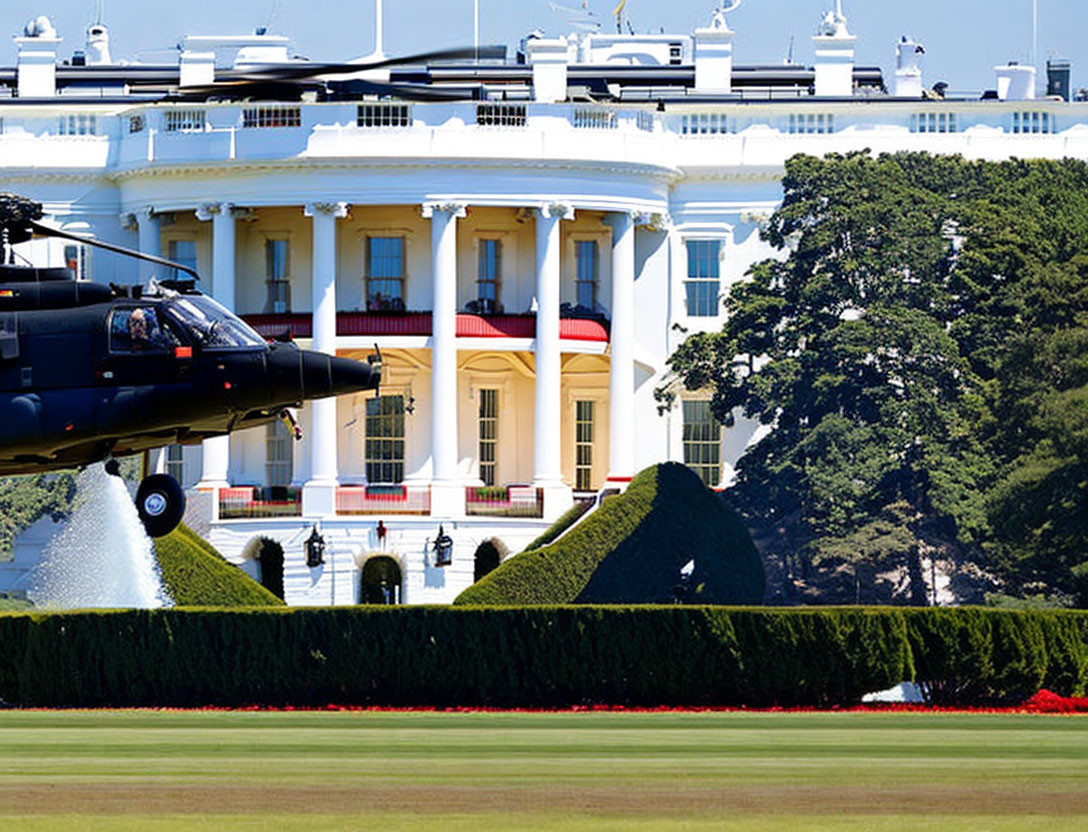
(90, 372)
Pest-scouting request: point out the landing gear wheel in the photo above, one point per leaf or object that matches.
(160, 503)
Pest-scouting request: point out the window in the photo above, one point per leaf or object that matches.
(703, 285)
(175, 462)
(138, 329)
(587, 262)
(501, 115)
(385, 439)
(702, 442)
(933, 123)
(384, 115)
(183, 252)
(489, 434)
(1032, 123)
(77, 257)
(279, 463)
(812, 123)
(704, 124)
(277, 270)
(489, 277)
(275, 115)
(184, 121)
(79, 124)
(385, 274)
(583, 446)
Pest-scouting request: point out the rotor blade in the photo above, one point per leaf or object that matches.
(312, 70)
(46, 231)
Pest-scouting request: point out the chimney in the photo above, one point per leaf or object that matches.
(197, 68)
(98, 45)
(714, 56)
(1015, 82)
(834, 47)
(548, 57)
(1058, 72)
(37, 67)
(908, 70)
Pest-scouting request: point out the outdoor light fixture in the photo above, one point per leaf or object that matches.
(315, 549)
(443, 548)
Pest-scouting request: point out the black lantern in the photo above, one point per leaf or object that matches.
(443, 548)
(315, 549)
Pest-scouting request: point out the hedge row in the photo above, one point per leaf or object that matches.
(533, 657)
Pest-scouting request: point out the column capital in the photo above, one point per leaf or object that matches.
(336, 210)
(555, 210)
(129, 221)
(653, 220)
(207, 210)
(457, 210)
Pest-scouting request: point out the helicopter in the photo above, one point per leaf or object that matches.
(92, 373)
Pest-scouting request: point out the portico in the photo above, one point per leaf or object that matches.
(534, 286)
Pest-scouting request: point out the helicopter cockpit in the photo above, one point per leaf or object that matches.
(161, 318)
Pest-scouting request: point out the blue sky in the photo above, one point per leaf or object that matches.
(964, 39)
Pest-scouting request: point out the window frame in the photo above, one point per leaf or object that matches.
(694, 281)
(387, 303)
(391, 441)
(705, 445)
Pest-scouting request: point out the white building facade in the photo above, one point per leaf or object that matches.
(525, 259)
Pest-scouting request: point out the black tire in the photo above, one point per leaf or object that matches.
(160, 503)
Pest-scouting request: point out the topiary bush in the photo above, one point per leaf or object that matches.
(632, 548)
(195, 574)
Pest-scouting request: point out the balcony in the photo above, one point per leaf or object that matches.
(383, 499)
(300, 325)
(247, 502)
(504, 501)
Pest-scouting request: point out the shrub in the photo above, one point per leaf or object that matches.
(195, 574)
(632, 548)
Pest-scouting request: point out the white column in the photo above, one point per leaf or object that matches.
(621, 377)
(216, 452)
(547, 421)
(319, 494)
(150, 242)
(447, 493)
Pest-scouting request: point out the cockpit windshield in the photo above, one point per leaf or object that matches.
(212, 324)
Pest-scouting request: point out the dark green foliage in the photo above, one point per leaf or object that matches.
(568, 519)
(195, 574)
(923, 355)
(534, 656)
(631, 551)
(25, 500)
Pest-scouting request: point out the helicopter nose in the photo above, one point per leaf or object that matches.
(298, 375)
(325, 375)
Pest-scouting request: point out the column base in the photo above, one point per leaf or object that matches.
(319, 498)
(558, 498)
(448, 500)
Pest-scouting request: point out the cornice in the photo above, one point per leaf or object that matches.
(666, 174)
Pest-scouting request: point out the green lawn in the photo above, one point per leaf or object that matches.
(394, 771)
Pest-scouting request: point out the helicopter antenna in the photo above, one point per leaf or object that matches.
(277, 7)
(789, 53)
(98, 12)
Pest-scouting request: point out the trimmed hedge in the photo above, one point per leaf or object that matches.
(532, 657)
(631, 550)
(195, 574)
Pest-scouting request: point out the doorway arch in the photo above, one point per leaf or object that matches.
(269, 554)
(380, 581)
(489, 555)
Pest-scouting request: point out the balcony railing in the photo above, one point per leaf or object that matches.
(247, 503)
(504, 501)
(300, 325)
(383, 499)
